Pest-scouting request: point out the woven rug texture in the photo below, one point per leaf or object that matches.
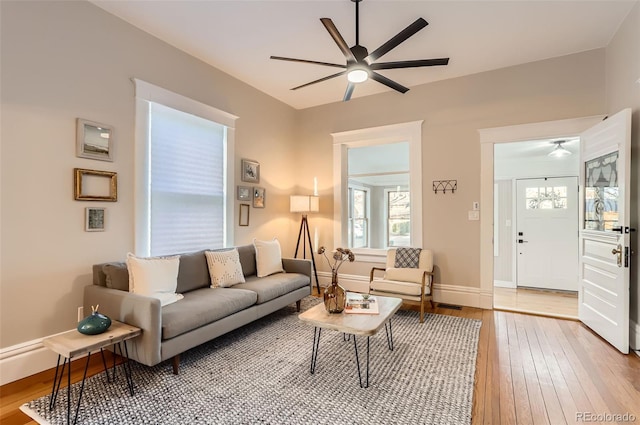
(259, 374)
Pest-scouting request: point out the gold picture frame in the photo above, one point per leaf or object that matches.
(244, 215)
(94, 185)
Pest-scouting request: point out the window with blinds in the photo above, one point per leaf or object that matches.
(187, 170)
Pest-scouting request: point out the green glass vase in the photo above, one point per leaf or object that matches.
(94, 324)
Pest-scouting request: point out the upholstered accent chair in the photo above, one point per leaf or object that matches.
(412, 284)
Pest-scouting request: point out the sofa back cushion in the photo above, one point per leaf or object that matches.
(247, 255)
(116, 276)
(193, 272)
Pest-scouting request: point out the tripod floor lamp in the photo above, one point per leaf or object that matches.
(305, 204)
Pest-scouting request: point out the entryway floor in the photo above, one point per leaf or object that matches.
(537, 301)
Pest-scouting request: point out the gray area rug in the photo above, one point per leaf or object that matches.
(259, 374)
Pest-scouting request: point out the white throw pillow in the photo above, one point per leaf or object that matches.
(155, 277)
(268, 257)
(224, 268)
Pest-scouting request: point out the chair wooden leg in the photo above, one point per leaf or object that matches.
(298, 305)
(422, 311)
(176, 363)
(432, 305)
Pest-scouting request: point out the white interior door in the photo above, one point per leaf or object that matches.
(603, 298)
(547, 233)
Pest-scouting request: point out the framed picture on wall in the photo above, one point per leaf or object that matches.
(94, 140)
(244, 193)
(94, 219)
(250, 171)
(244, 215)
(258, 197)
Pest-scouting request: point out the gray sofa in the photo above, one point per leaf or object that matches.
(204, 313)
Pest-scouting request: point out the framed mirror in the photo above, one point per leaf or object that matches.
(94, 185)
(94, 140)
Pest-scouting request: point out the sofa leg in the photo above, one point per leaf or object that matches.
(176, 363)
(298, 303)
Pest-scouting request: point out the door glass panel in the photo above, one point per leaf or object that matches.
(601, 193)
(546, 198)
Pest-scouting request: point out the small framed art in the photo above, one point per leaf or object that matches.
(244, 193)
(94, 219)
(258, 197)
(94, 140)
(250, 171)
(94, 185)
(244, 215)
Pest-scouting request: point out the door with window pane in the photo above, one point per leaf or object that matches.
(358, 218)
(547, 233)
(398, 218)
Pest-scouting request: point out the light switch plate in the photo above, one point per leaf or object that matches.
(474, 215)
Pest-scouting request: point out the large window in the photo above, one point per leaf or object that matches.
(182, 173)
(379, 180)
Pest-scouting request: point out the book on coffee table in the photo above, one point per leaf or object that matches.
(361, 304)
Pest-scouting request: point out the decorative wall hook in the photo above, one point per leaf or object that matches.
(445, 185)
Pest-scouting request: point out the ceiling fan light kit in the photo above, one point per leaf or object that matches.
(559, 150)
(360, 64)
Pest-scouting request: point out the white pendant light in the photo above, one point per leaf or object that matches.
(559, 150)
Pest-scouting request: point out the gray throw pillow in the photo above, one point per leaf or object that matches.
(117, 276)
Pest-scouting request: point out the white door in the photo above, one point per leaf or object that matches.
(603, 298)
(547, 233)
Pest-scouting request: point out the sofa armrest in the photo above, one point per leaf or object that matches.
(297, 265)
(133, 309)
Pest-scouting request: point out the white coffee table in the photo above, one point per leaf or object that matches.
(352, 324)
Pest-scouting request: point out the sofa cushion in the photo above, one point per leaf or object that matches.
(203, 306)
(154, 277)
(247, 254)
(224, 268)
(398, 287)
(193, 272)
(274, 286)
(268, 257)
(117, 276)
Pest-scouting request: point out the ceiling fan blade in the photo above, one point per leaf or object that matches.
(397, 39)
(389, 83)
(348, 92)
(335, 34)
(321, 80)
(409, 64)
(280, 58)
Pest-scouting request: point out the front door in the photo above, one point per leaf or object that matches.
(547, 233)
(603, 298)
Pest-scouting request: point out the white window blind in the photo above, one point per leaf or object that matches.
(187, 182)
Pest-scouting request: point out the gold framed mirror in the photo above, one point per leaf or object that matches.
(94, 185)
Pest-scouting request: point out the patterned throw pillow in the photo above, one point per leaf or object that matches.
(407, 258)
(224, 268)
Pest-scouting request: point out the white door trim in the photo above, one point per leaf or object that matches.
(513, 133)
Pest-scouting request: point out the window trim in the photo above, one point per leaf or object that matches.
(144, 93)
(410, 132)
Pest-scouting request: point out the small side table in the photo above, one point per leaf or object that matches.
(72, 344)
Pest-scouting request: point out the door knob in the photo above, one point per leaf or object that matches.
(618, 251)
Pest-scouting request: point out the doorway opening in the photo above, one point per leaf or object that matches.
(536, 220)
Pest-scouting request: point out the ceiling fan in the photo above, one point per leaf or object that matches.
(361, 65)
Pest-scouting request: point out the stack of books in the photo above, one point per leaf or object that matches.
(361, 304)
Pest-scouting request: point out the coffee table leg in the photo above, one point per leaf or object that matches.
(84, 377)
(316, 346)
(57, 380)
(127, 367)
(389, 335)
(355, 346)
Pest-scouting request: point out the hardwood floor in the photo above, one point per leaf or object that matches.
(530, 370)
(537, 301)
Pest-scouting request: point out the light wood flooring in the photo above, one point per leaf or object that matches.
(530, 370)
(537, 301)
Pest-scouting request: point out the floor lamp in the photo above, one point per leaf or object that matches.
(305, 204)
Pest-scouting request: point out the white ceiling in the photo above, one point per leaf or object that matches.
(239, 36)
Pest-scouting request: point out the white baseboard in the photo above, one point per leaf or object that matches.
(448, 294)
(504, 284)
(26, 359)
(634, 336)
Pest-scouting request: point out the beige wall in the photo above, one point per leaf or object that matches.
(453, 111)
(63, 60)
(623, 91)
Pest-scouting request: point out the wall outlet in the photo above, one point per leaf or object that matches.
(80, 313)
(474, 215)
(476, 206)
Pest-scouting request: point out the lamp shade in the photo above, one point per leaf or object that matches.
(304, 203)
